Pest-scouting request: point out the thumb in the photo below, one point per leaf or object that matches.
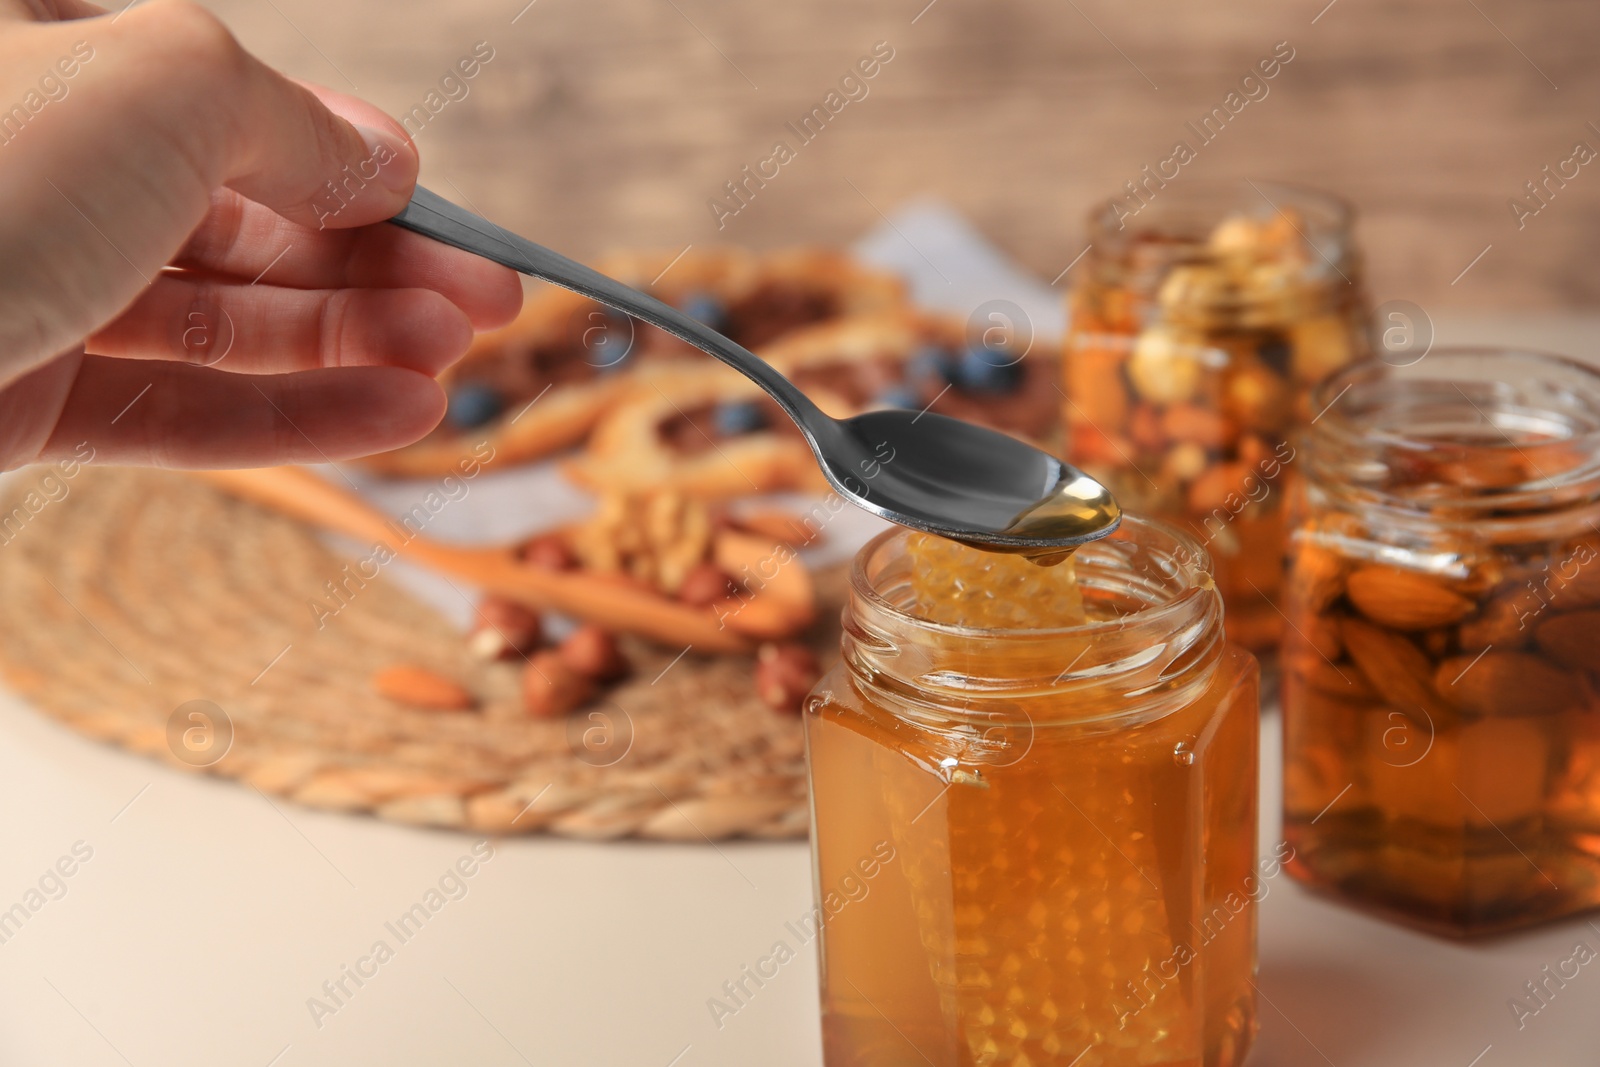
(321, 158)
(267, 137)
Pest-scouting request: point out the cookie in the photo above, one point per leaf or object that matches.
(907, 358)
(701, 430)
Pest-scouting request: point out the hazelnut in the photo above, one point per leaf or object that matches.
(504, 629)
(1166, 365)
(1281, 235)
(1237, 235)
(593, 653)
(785, 673)
(1275, 291)
(550, 688)
(1192, 288)
(1145, 429)
(1185, 462)
(549, 551)
(1321, 346)
(1198, 425)
(1090, 446)
(1254, 452)
(1218, 489)
(704, 584)
(1258, 398)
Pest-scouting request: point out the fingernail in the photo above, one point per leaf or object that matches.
(394, 159)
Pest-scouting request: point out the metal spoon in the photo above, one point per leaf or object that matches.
(918, 469)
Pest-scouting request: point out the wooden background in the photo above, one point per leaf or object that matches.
(601, 123)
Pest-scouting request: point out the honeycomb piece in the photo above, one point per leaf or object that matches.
(962, 586)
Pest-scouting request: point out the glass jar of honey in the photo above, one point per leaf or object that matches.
(1033, 796)
(1441, 705)
(1199, 321)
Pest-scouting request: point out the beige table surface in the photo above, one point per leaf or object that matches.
(207, 916)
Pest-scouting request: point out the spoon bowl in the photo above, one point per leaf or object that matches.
(918, 469)
(962, 481)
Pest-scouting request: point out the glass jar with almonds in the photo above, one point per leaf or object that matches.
(1441, 707)
(1034, 810)
(1200, 319)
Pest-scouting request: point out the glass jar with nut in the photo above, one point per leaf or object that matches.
(1440, 687)
(1200, 320)
(1031, 836)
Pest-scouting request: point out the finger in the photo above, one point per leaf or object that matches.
(30, 405)
(262, 329)
(247, 240)
(390, 158)
(170, 415)
(60, 10)
(165, 107)
(244, 125)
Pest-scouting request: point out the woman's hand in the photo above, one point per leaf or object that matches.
(189, 274)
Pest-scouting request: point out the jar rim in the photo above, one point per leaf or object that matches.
(1170, 611)
(1327, 393)
(1219, 192)
(1140, 251)
(1382, 390)
(1142, 663)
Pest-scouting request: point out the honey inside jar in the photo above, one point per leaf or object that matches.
(1034, 804)
(1200, 321)
(1441, 762)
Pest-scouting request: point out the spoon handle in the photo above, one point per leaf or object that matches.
(433, 216)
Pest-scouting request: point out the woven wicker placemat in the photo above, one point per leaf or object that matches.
(141, 592)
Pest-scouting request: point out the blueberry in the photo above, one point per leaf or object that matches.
(609, 342)
(899, 396)
(988, 370)
(931, 364)
(705, 308)
(472, 404)
(738, 417)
